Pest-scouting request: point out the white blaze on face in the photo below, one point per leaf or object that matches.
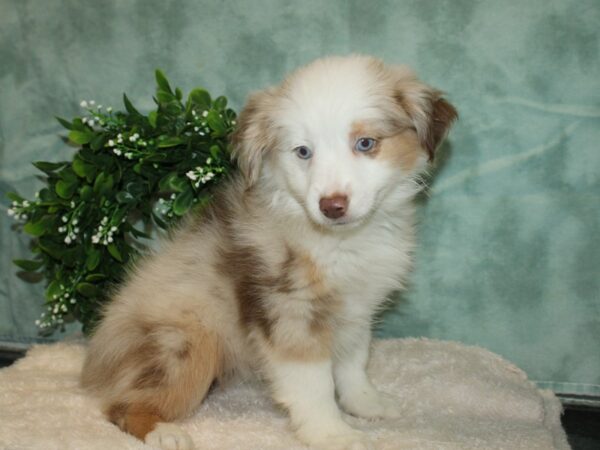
(318, 112)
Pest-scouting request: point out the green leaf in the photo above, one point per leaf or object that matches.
(200, 98)
(86, 192)
(98, 142)
(152, 118)
(161, 223)
(178, 94)
(216, 122)
(48, 167)
(81, 168)
(170, 142)
(183, 202)
(164, 97)
(15, 197)
(220, 103)
(65, 189)
(87, 289)
(162, 82)
(67, 174)
(215, 151)
(173, 183)
(52, 249)
(95, 277)
(125, 197)
(129, 107)
(65, 123)
(92, 260)
(53, 290)
(39, 227)
(103, 184)
(114, 251)
(81, 137)
(28, 265)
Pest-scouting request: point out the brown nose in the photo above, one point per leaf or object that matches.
(334, 207)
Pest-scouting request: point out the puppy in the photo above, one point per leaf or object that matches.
(281, 275)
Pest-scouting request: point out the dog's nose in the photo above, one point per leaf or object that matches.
(334, 207)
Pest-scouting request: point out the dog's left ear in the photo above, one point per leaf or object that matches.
(431, 114)
(253, 136)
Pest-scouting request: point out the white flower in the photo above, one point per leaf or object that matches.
(117, 152)
(25, 203)
(191, 175)
(204, 113)
(91, 123)
(196, 128)
(83, 104)
(84, 120)
(129, 155)
(109, 109)
(95, 239)
(202, 133)
(208, 160)
(10, 212)
(99, 106)
(72, 301)
(111, 143)
(233, 122)
(68, 240)
(65, 219)
(73, 205)
(92, 102)
(37, 322)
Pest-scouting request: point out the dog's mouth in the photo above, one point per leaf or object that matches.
(343, 223)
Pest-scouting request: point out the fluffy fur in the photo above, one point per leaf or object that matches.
(282, 275)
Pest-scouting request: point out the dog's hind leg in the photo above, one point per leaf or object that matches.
(173, 371)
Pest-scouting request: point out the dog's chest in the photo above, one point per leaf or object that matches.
(367, 266)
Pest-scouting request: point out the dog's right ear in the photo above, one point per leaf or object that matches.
(253, 136)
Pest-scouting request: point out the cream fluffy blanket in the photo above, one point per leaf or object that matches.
(454, 397)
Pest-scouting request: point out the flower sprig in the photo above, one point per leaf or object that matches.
(129, 167)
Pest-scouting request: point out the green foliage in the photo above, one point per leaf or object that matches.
(129, 168)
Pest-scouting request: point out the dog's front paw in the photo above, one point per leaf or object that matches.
(168, 436)
(371, 405)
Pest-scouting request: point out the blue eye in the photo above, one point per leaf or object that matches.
(303, 152)
(364, 144)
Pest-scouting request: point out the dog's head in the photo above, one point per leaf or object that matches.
(341, 135)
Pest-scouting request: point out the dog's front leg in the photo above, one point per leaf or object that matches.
(357, 394)
(307, 390)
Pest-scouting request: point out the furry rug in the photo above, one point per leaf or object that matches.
(455, 397)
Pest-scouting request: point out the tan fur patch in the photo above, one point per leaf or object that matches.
(135, 419)
(254, 136)
(400, 147)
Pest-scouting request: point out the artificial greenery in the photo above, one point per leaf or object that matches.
(130, 171)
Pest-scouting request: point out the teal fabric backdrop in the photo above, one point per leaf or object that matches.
(510, 232)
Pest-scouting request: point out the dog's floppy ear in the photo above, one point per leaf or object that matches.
(431, 114)
(253, 135)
